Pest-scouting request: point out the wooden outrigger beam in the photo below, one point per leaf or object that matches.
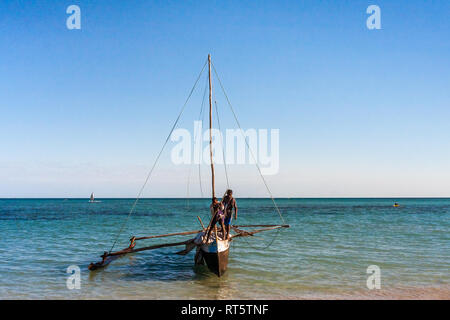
(169, 235)
(242, 233)
(156, 246)
(109, 257)
(262, 225)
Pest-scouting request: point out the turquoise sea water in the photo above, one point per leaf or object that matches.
(325, 253)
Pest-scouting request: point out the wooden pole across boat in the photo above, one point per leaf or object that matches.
(169, 235)
(262, 225)
(242, 233)
(201, 222)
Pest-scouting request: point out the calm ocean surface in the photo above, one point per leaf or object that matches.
(324, 254)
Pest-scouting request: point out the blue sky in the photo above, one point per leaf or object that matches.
(361, 112)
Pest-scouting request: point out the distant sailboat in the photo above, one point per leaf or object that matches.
(92, 199)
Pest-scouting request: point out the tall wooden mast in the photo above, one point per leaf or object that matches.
(210, 127)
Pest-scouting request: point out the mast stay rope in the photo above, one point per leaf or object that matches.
(200, 119)
(248, 146)
(221, 142)
(157, 158)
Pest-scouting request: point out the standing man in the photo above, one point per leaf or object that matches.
(229, 202)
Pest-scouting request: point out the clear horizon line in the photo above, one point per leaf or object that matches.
(377, 197)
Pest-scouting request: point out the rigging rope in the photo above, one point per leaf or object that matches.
(200, 118)
(228, 185)
(221, 142)
(248, 146)
(157, 158)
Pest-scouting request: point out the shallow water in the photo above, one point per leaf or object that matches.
(325, 253)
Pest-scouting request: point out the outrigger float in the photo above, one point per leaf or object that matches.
(213, 250)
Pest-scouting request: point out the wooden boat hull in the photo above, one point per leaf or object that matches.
(216, 256)
(217, 262)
